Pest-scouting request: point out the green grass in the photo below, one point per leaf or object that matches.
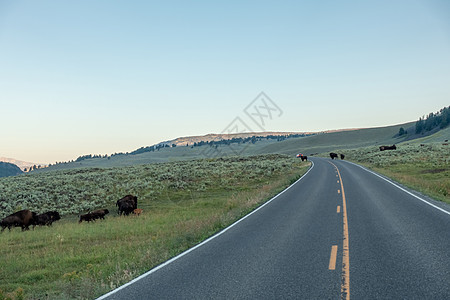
(423, 168)
(183, 203)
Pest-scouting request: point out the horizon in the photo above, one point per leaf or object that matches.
(94, 78)
(204, 135)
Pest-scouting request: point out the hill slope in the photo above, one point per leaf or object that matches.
(8, 169)
(340, 140)
(21, 164)
(319, 143)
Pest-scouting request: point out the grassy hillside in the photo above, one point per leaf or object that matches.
(306, 145)
(166, 155)
(339, 140)
(183, 202)
(438, 137)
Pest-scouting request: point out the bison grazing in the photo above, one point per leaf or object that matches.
(126, 205)
(333, 155)
(23, 218)
(393, 147)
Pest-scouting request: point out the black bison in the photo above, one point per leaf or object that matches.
(125, 208)
(86, 217)
(333, 155)
(342, 156)
(99, 213)
(94, 215)
(304, 157)
(393, 147)
(23, 218)
(47, 218)
(126, 205)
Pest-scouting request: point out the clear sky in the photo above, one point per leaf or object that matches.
(98, 77)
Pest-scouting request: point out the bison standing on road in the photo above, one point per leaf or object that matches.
(304, 157)
(342, 156)
(23, 218)
(333, 155)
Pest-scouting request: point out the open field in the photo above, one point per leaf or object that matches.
(183, 203)
(423, 168)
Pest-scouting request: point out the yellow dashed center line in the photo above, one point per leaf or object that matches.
(332, 265)
(345, 278)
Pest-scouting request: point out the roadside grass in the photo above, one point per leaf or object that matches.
(423, 168)
(83, 261)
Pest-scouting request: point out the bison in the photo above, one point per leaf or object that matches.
(99, 213)
(304, 157)
(342, 156)
(126, 205)
(333, 155)
(23, 218)
(47, 218)
(86, 217)
(393, 147)
(138, 211)
(125, 208)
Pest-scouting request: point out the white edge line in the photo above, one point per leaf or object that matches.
(202, 243)
(406, 191)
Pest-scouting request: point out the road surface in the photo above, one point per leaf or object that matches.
(339, 232)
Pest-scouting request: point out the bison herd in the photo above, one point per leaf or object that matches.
(335, 155)
(25, 217)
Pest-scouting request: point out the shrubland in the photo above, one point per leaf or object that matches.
(183, 202)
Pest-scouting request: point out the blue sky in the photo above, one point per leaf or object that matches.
(82, 77)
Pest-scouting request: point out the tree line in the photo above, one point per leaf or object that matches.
(439, 119)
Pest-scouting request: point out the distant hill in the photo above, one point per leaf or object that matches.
(8, 169)
(190, 140)
(21, 164)
(306, 143)
(291, 143)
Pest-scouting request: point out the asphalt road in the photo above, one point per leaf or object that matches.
(339, 232)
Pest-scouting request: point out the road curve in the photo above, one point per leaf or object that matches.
(295, 246)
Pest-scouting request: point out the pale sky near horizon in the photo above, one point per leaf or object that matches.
(99, 77)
